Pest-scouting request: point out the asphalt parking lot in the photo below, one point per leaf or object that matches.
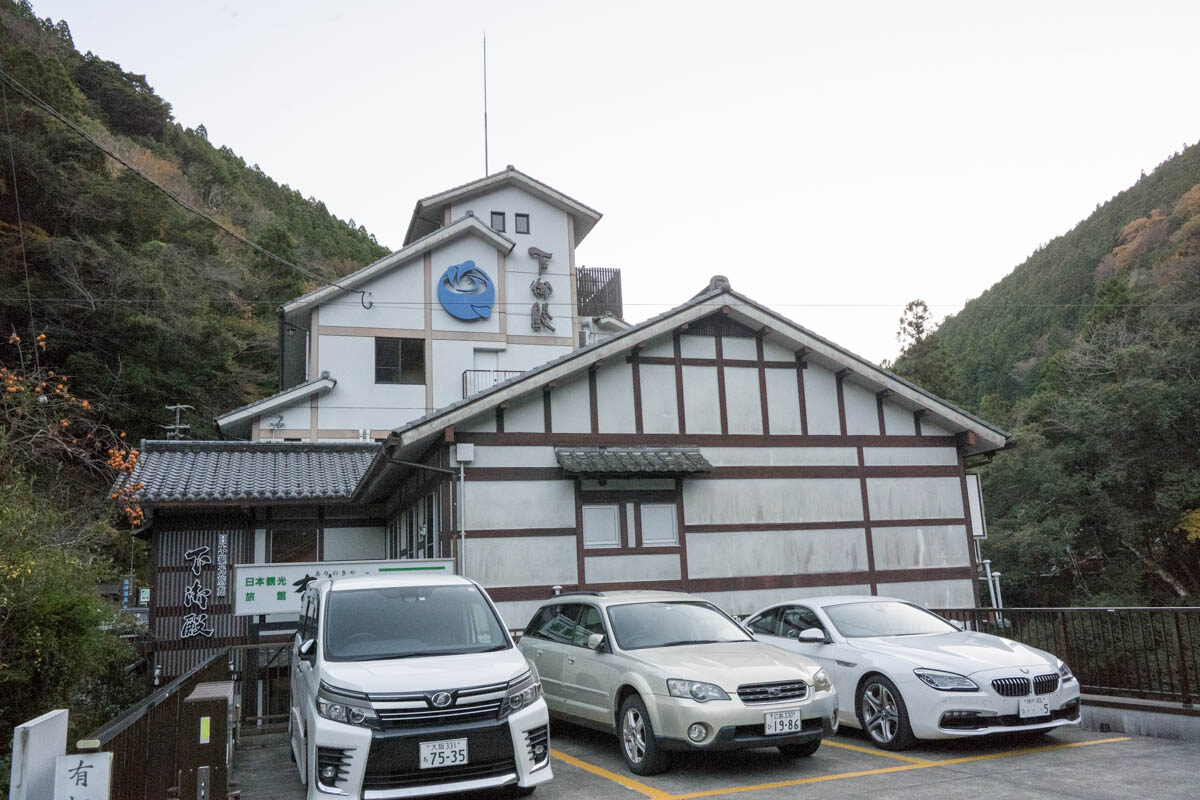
(1064, 764)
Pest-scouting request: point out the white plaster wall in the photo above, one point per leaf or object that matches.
(701, 403)
(357, 401)
(481, 423)
(773, 351)
(931, 428)
(662, 347)
(898, 419)
(697, 346)
(516, 613)
(910, 456)
(742, 402)
(519, 505)
(450, 358)
(720, 555)
(522, 560)
(457, 251)
(354, 544)
(745, 603)
(296, 416)
(820, 401)
(740, 347)
(933, 594)
(660, 408)
(915, 498)
(775, 500)
(614, 569)
(862, 413)
(547, 231)
(926, 546)
(781, 456)
(526, 414)
(512, 456)
(783, 401)
(397, 298)
(614, 398)
(527, 356)
(570, 405)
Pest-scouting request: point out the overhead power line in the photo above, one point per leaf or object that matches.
(184, 204)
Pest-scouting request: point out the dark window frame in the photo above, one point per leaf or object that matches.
(407, 370)
(501, 215)
(517, 220)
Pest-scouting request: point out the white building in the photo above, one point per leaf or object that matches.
(719, 448)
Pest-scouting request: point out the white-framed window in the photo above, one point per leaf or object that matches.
(601, 526)
(659, 525)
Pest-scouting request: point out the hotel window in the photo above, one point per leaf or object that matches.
(521, 223)
(659, 528)
(601, 526)
(399, 360)
(498, 221)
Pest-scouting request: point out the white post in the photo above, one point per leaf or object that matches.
(987, 571)
(999, 598)
(462, 519)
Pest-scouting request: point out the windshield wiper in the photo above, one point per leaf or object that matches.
(690, 641)
(424, 653)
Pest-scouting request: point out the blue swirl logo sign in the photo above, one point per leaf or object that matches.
(466, 292)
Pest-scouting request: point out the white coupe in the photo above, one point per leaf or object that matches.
(912, 675)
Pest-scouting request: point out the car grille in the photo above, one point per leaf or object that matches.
(773, 692)
(429, 777)
(1011, 687)
(977, 722)
(415, 709)
(1045, 684)
(336, 757)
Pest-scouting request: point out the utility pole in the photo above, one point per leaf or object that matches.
(176, 431)
(485, 130)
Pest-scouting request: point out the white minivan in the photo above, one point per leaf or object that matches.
(408, 686)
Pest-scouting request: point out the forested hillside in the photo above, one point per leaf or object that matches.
(142, 302)
(114, 302)
(1090, 353)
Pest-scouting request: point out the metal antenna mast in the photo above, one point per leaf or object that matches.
(485, 130)
(176, 431)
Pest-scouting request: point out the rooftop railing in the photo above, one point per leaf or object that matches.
(598, 290)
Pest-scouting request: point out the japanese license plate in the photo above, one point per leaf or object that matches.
(1033, 707)
(782, 722)
(446, 753)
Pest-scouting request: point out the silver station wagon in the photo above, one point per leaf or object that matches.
(667, 671)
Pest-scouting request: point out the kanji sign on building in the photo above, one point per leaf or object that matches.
(82, 776)
(276, 588)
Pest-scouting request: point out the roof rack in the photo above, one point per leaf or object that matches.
(590, 594)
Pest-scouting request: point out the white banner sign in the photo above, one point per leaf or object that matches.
(82, 776)
(276, 588)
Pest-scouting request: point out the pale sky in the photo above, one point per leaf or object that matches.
(834, 160)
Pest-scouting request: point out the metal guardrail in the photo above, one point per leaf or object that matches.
(1149, 653)
(266, 688)
(145, 741)
(476, 380)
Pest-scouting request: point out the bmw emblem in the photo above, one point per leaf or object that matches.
(1024, 670)
(441, 700)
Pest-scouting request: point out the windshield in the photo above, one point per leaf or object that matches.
(409, 621)
(641, 625)
(885, 618)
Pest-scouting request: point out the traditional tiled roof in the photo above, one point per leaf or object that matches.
(247, 472)
(631, 460)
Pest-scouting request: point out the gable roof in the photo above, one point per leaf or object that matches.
(719, 296)
(238, 421)
(460, 227)
(247, 473)
(428, 213)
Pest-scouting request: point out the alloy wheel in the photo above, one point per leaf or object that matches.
(880, 713)
(633, 735)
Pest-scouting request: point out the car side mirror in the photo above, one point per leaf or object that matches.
(308, 649)
(596, 642)
(812, 636)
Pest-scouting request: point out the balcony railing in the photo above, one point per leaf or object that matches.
(599, 292)
(476, 380)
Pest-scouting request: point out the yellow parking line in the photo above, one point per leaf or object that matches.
(628, 783)
(875, 752)
(884, 770)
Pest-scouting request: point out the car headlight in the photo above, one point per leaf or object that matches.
(696, 690)
(946, 681)
(821, 682)
(350, 708)
(1064, 672)
(522, 692)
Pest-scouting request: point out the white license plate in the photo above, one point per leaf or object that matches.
(446, 753)
(1033, 707)
(782, 722)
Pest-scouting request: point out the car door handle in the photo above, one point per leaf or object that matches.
(537, 653)
(570, 659)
